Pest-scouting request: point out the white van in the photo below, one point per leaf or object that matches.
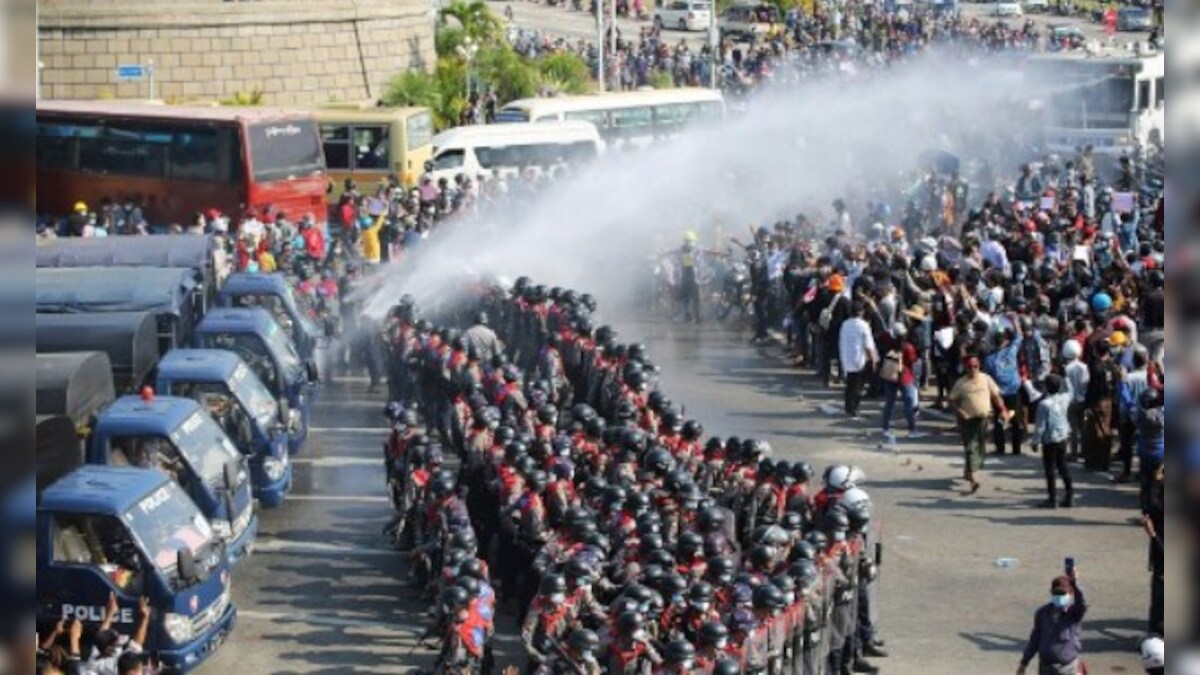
(685, 15)
(507, 149)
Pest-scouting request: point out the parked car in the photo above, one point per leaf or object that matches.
(1007, 8)
(1131, 19)
(1036, 6)
(685, 15)
(750, 22)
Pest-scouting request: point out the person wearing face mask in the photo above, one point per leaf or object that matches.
(630, 651)
(546, 622)
(578, 657)
(679, 659)
(714, 646)
(1055, 637)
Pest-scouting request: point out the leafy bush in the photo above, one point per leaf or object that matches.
(660, 80)
(564, 73)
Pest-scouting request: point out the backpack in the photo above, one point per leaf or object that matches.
(893, 366)
(825, 320)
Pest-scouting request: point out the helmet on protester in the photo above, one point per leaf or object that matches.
(1072, 350)
(1153, 652)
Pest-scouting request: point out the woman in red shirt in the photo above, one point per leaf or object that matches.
(899, 379)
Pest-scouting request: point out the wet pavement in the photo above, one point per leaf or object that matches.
(323, 593)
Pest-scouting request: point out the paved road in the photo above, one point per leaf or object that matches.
(322, 595)
(561, 22)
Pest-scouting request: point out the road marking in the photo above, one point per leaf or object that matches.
(320, 620)
(349, 430)
(366, 499)
(319, 548)
(338, 461)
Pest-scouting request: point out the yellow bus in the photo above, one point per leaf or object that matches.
(369, 143)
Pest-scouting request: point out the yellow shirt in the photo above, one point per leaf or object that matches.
(369, 241)
(972, 397)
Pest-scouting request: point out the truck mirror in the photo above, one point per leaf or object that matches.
(185, 562)
(310, 368)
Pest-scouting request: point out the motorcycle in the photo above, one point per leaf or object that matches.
(735, 291)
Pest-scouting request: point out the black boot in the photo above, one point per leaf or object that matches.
(862, 666)
(1068, 501)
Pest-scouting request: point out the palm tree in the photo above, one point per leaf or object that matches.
(477, 21)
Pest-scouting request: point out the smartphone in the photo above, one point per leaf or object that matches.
(1069, 565)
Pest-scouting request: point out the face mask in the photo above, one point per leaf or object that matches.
(588, 656)
(1062, 601)
(839, 536)
(701, 606)
(558, 599)
(687, 665)
(639, 635)
(720, 645)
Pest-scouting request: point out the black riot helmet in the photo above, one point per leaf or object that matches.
(713, 631)
(583, 640)
(727, 667)
(553, 584)
(680, 652)
(769, 597)
(453, 599)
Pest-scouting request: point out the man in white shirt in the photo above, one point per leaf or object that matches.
(856, 349)
(1077, 375)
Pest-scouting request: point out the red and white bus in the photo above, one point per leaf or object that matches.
(176, 161)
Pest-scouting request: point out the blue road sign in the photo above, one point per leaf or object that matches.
(130, 72)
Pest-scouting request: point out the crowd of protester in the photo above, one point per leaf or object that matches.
(845, 39)
(1034, 320)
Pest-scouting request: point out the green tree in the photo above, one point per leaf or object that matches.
(475, 19)
(443, 91)
(447, 39)
(506, 73)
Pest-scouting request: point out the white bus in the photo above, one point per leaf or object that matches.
(507, 149)
(1107, 99)
(633, 117)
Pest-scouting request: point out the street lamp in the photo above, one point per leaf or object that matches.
(467, 50)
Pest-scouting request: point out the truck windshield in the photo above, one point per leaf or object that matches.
(257, 401)
(281, 346)
(165, 522)
(205, 446)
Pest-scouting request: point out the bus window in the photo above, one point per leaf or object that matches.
(195, 154)
(284, 149)
(335, 139)
(579, 152)
(1145, 95)
(419, 130)
(1160, 85)
(512, 115)
(450, 159)
(630, 121)
(57, 145)
(597, 117)
(372, 148)
(125, 149)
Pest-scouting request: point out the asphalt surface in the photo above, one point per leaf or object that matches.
(322, 594)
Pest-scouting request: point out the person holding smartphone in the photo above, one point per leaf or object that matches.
(1055, 638)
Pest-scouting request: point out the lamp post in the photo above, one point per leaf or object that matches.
(467, 50)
